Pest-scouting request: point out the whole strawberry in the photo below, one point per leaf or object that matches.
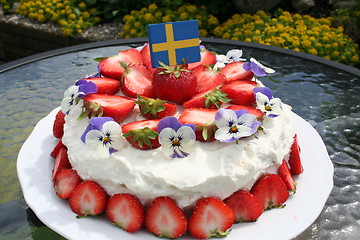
(174, 83)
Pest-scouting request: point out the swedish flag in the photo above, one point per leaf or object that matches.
(172, 42)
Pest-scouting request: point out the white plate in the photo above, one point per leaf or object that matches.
(34, 167)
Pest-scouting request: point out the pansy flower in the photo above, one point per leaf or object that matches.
(257, 68)
(74, 94)
(233, 125)
(103, 135)
(272, 107)
(233, 55)
(176, 138)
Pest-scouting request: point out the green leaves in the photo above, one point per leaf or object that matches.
(142, 136)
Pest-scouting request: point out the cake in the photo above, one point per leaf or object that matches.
(175, 142)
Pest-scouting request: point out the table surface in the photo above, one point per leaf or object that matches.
(324, 93)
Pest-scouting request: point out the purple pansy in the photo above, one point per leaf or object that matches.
(233, 55)
(257, 68)
(103, 135)
(75, 93)
(176, 138)
(233, 125)
(272, 107)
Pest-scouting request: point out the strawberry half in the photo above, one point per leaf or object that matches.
(61, 161)
(155, 108)
(58, 126)
(206, 58)
(207, 78)
(285, 174)
(254, 111)
(295, 159)
(210, 218)
(270, 190)
(210, 99)
(110, 67)
(65, 182)
(235, 71)
(57, 148)
(137, 79)
(244, 205)
(114, 106)
(126, 211)
(241, 92)
(204, 120)
(142, 134)
(105, 85)
(165, 218)
(88, 199)
(145, 54)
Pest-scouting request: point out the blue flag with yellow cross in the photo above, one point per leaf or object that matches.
(173, 42)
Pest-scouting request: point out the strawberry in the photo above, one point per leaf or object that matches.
(204, 120)
(145, 54)
(241, 92)
(56, 149)
(155, 108)
(58, 126)
(114, 106)
(209, 99)
(244, 205)
(88, 198)
(211, 217)
(285, 174)
(126, 211)
(65, 182)
(110, 67)
(165, 218)
(270, 190)
(136, 79)
(174, 83)
(235, 71)
(61, 161)
(295, 159)
(206, 58)
(254, 111)
(207, 78)
(105, 85)
(142, 134)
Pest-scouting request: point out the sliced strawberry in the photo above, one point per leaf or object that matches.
(145, 54)
(210, 218)
(204, 120)
(114, 106)
(244, 205)
(142, 134)
(105, 85)
(270, 190)
(58, 126)
(235, 71)
(241, 92)
(165, 218)
(295, 159)
(57, 148)
(207, 78)
(213, 99)
(137, 79)
(110, 67)
(61, 161)
(126, 211)
(88, 199)
(206, 58)
(155, 108)
(254, 111)
(65, 182)
(285, 174)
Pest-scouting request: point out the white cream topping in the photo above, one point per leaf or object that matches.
(212, 169)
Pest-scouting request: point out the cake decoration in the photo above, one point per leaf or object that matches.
(233, 55)
(257, 68)
(272, 107)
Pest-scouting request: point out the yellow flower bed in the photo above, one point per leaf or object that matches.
(135, 24)
(292, 31)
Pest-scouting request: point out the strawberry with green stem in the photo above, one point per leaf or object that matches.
(213, 99)
(155, 108)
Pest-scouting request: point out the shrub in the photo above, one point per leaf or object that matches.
(6, 5)
(298, 32)
(135, 24)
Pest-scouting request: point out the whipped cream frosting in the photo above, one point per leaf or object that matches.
(212, 169)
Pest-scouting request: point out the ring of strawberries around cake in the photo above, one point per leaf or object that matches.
(217, 99)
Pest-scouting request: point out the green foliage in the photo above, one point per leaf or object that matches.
(136, 22)
(6, 5)
(293, 31)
